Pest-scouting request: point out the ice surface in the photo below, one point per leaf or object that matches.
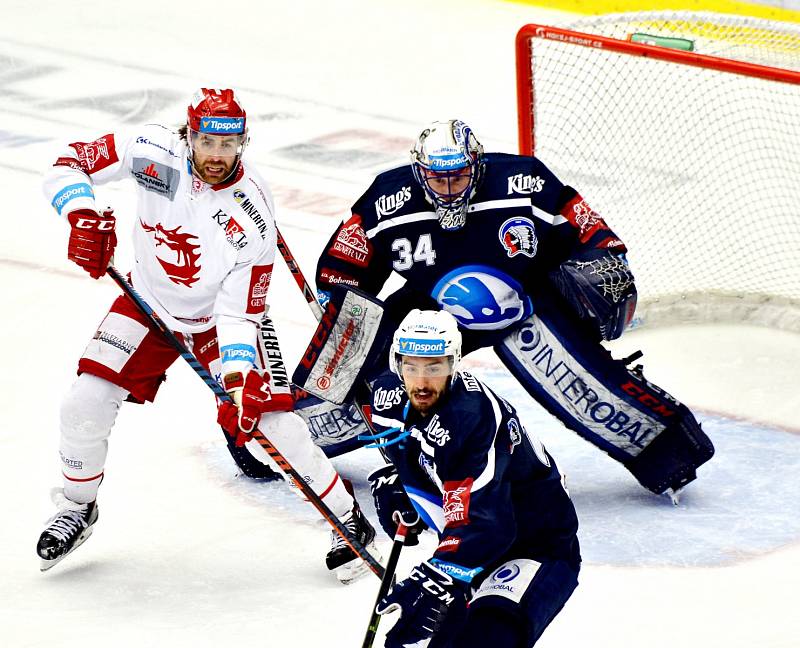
(187, 553)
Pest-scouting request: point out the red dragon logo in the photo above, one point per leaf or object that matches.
(185, 270)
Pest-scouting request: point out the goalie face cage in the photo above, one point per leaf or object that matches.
(691, 156)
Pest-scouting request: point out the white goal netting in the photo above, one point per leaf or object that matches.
(696, 168)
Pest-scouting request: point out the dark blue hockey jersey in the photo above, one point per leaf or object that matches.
(478, 478)
(521, 223)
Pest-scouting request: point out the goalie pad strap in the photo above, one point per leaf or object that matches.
(341, 346)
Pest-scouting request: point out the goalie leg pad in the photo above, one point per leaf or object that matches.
(334, 428)
(598, 397)
(683, 444)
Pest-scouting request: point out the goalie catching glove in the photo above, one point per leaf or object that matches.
(251, 397)
(598, 284)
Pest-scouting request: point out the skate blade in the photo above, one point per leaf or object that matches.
(45, 564)
(356, 568)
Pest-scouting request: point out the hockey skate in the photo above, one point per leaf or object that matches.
(341, 559)
(66, 530)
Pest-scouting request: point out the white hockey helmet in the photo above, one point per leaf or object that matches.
(426, 334)
(449, 155)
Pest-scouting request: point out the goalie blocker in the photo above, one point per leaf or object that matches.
(348, 341)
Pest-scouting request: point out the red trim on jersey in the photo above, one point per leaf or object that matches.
(70, 162)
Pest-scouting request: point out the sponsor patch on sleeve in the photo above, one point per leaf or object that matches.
(333, 278)
(450, 543)
(587, 221)
(455, 502)
(232, 352)
(97, 155)
(260, 277)
(351, 243)
(70, 192)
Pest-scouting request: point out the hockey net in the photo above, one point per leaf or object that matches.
(683, 131)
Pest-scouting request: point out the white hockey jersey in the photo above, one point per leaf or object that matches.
(203, 253)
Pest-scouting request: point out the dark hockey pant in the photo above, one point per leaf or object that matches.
(512, 607)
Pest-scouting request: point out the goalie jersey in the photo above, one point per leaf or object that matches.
(521, 223)
(477, 477)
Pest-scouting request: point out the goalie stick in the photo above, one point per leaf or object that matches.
(265, 443)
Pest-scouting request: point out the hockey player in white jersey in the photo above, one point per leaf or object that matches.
(204, 241)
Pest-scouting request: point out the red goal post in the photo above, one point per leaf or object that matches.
(692, 155)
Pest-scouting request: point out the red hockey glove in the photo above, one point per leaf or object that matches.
(92, 240)
(251, 398)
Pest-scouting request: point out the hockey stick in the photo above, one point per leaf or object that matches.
(386, 582)
(299, 278)
(265, 443)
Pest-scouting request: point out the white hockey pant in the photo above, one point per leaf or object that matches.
(290, 435)
(88, 412)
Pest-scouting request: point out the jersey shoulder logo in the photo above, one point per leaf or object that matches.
(351, 243)
(518, 236)
(97, 155)
(482, 298)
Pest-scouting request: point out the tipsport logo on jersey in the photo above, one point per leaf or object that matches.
(482, 298)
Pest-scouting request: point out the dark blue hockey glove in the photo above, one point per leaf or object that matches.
(423, 598)
(392, 502)
(599, 286)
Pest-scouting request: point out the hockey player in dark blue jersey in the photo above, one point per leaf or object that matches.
(525, 266)
(464, 465)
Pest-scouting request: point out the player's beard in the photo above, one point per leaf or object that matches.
(215, 170)
(425, 398)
